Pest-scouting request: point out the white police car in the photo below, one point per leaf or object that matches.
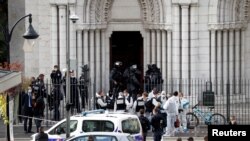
(101, 136)
(97, 121)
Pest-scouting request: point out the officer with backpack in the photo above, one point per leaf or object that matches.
(145, 124)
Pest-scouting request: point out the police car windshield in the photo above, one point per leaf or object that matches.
(97, 126)
(131, 126)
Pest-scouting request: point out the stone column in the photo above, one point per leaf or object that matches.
(98, 60)
(104, 71)
(54, 45)
(169, 61)
(231, 60)
(158, 49)
(194, 43)
(85, 47)
(225, 60)
(62, 35)
(242, 56)
(185, 47)
(92, 61)
(79, 52)
(212, 57)
(237, 60)
(219, 62)
(107, 54)
(145, 51)
(153, 47)
(213, 73)
(148, 47)
(164, 62)
(176, 44)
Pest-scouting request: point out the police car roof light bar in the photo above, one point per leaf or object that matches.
(99, 111)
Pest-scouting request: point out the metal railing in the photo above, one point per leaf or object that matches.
(227, 98)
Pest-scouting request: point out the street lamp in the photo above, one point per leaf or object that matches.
(29, 34)
(73, 18)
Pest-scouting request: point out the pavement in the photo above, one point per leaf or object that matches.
(20, 135)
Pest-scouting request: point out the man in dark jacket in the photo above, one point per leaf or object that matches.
(144, 123)
(27, 110)
(39, 111)
(158, 123)
(41, 136)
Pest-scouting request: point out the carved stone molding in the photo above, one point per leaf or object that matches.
(184, 2)
(62, 2)
(160, 26)
(227, 26)
(91, 26)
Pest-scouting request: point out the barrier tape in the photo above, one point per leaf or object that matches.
(38, 118)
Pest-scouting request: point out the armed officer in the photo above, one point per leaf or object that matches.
(116, 79)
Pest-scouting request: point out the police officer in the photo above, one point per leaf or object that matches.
(101, 100)
(83, 87)
(56, 96)
(120, 102)
(39, 87)
(131, 76)
(128, 101)
(139, 103)
(74, 96)
(147, 78)
(158, 123)
(56, 75)
(116, 79)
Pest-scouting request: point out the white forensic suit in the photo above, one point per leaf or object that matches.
(183, 107)
(171, 107)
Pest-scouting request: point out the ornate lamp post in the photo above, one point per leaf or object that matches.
(29, 34)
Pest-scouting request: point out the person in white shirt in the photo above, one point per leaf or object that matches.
(171, 107)
(101, 100)
(151, 94)
(183, 106)
(128, 101)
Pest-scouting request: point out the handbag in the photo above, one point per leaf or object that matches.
(177, 123)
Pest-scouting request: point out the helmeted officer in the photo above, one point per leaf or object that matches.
(116, 79)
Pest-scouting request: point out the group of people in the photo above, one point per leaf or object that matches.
(33, 104)
(37, 95)
(159, 109)
(58, 91)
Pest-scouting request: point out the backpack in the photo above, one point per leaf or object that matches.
(149, 105)
(144, 123)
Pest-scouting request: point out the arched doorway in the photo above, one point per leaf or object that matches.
(127, 47)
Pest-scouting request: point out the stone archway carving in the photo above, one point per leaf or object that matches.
(225, 14)
(98, 11)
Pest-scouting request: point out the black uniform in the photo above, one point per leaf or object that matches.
(158, 123)
(116, 80)
(131, 76)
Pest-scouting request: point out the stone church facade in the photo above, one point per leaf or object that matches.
(187, 39)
